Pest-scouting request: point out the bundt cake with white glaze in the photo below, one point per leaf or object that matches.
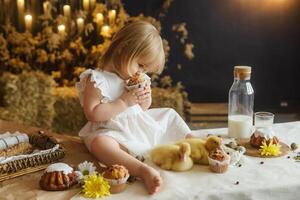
(263, 135)
(58, 176)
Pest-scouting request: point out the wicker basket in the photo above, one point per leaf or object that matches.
(35, 163)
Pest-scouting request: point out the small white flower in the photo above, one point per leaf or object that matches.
(87, 168)
(79, 176)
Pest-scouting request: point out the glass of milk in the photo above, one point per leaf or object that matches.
(263, 119)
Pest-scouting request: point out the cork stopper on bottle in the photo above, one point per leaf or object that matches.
(242, 72)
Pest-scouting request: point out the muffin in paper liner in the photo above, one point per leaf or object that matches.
(116, 176)
(218, 166)
(220, 163)
(139, 80)
(117, 185)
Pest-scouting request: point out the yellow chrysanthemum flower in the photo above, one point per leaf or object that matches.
(95, 186)
(269, 150)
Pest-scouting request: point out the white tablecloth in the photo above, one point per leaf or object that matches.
(277, 178)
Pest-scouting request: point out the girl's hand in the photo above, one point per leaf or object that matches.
(144, 97)
(130, 96)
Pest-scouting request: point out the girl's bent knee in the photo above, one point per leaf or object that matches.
(100, 142)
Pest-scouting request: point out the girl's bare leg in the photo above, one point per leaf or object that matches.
(109, 152)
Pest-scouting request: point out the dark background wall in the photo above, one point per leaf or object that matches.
(264, 34)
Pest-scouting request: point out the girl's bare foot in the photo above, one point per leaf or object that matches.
(151, 178)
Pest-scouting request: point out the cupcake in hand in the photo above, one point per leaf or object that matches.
(116, 176)
(218, 161)
(138, 80)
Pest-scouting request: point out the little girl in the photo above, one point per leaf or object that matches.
(120, 124)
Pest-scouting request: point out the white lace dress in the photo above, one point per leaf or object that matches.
(135, 129)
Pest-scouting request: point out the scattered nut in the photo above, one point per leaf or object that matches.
(294, 146)
(262, 162)
(140, 158)
(232, 145)
(241, 149)
(237, 182)
(297, 158)
(131, 179)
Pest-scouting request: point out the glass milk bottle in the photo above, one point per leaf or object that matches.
(241, 100)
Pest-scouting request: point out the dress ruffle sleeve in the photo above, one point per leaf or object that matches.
(99, 82)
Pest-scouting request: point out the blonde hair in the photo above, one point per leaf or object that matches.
(136, 40)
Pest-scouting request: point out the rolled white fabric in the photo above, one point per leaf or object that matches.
(9, 139)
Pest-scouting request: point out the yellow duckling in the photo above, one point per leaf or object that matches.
(200, 148)
(173, 157)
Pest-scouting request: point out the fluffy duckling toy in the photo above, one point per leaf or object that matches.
(200, 148)
(173, 157)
